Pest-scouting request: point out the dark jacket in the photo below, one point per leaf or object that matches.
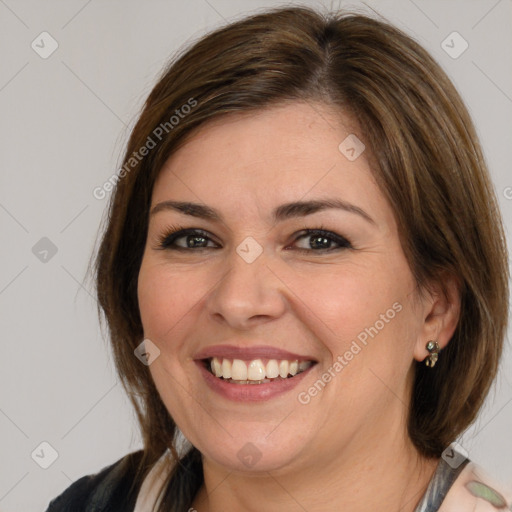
(105, 491)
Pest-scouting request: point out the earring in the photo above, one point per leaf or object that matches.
(433, 350)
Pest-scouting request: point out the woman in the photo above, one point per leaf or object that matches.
(304, 272)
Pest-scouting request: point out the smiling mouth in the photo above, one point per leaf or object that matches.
(256, 371)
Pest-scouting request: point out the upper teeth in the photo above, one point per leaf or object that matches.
(256, 369)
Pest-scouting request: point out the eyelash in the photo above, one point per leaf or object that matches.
(173, 233)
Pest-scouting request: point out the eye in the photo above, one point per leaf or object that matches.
(177, 238)
(316, 240)
(309, 240)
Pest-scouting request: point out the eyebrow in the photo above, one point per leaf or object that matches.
(281, 213)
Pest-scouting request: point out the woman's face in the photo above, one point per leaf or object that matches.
(249, 286)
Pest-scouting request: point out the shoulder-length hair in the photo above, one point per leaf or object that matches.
(424, 154)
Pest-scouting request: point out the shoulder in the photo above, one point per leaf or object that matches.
(475, 491)
(100, 491)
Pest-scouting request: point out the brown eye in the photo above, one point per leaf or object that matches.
(187, 239)
(320, 240)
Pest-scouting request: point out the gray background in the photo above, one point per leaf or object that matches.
(64, 121)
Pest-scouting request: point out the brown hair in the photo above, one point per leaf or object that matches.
(425, 156)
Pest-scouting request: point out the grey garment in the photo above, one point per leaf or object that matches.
(439, 486)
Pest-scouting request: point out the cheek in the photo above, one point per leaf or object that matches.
(364, 317)
(166, 297)
(166, 302)
(347, 300)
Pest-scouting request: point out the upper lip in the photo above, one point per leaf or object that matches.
(250, 353)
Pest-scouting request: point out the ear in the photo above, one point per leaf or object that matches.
(441, 312)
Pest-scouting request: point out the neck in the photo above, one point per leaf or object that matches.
(386, 475)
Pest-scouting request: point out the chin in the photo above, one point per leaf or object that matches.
(251, 449)
(250, 459)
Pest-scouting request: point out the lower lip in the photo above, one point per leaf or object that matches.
(250, 392)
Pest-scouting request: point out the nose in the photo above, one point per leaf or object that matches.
(249, 293)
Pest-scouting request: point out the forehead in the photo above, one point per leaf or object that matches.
(262, 158)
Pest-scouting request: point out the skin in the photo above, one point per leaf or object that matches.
(348, 448)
